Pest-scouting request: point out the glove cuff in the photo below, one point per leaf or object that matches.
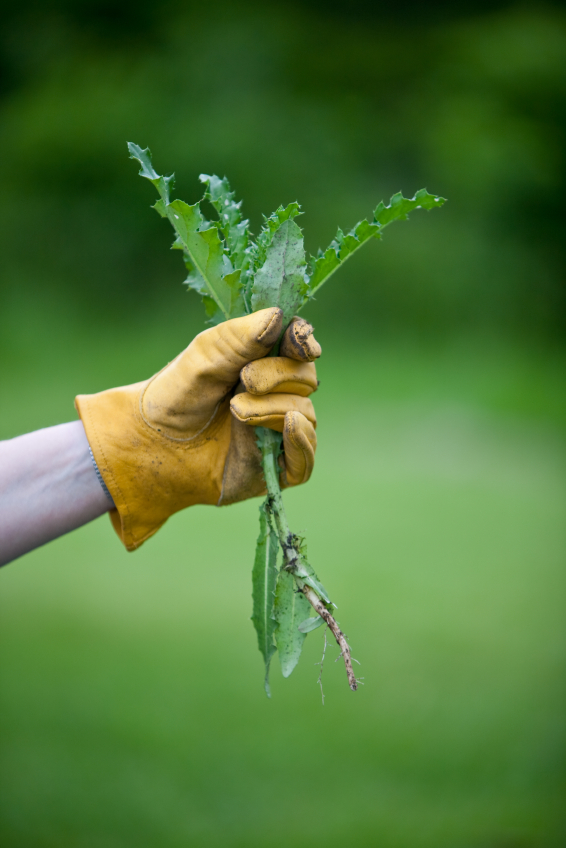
(149, 475)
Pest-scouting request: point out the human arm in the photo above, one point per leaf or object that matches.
(48, 487)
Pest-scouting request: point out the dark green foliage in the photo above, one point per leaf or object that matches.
(370, 107)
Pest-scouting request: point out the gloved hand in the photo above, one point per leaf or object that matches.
(186, 435)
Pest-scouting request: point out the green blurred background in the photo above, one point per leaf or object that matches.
(132, 707)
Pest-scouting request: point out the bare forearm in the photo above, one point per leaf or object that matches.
(48, 486)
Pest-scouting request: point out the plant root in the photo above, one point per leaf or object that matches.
(321, 664)
(320, 608)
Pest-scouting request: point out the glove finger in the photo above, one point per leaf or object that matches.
(279, 374)
(183, 397)
(270, 410)
(298, 341)
(299, 443)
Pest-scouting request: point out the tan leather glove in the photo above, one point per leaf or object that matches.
(186, 435)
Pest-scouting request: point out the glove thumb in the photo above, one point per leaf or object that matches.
(182, 399)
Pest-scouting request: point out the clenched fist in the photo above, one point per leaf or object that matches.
(186, 436)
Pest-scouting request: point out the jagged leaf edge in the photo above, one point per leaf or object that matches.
(280, 279)
(323, 266)
(188, 221)
(235, 229)
(258, 248)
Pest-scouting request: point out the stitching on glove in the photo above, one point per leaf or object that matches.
(123, 504)
(100, 478)
(257, 419)
(165, 435)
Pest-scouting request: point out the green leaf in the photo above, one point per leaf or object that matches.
(264, 577)
(270, 226)
(205, 250)
(212, 273)
(281, 280)
(162, 184)
(340, 249)
(235, 230)
(310, 624)
(307, 574)
(233, 275)
(160, 208)
(400, 206)
(291, 608)
(345, 245)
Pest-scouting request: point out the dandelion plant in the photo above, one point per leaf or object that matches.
(236, 275)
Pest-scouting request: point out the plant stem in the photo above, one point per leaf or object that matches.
(270, 443)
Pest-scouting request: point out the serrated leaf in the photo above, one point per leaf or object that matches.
(162, 184)
(197, 283)
(341, 248)
(258, 249)
(281, 279)
(400, 206)
(264, 578)
(310, 624)
(235, 230)
(160, 208)
(201, 242)
(291, 608)
(236, 304)
(205, 251)
(345, 245)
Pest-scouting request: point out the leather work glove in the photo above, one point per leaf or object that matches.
(186, 435)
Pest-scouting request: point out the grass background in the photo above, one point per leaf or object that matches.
(133, 711)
